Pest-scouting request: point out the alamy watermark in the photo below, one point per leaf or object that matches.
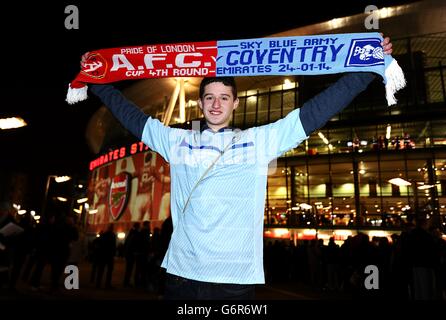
(72, 18)
(372, 280)
(72, 278)
(372, 20)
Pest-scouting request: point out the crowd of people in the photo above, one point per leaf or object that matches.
(54, 242)
(58, 241)
(142, 250)
(411, 266)
(384, 143)
(394, 143)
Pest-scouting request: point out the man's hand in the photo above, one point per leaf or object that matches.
(387, 45)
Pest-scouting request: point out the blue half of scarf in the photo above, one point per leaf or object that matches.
(310, 55)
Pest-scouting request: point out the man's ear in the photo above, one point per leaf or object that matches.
(236, 103)
(200, 104)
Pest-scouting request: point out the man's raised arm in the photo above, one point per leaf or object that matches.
(130, 116)
(318, 110)
(289, 132)
(152, 132)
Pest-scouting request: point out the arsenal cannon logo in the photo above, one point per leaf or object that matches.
(119, 194)
(95, 66)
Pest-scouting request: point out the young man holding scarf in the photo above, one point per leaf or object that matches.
(218, 181)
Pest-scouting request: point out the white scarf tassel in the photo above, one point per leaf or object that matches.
(75, 95)
(394, 81)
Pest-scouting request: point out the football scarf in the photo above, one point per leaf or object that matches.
(281, 56)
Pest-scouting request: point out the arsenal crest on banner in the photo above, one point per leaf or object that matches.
(119, 194)
(95, 66)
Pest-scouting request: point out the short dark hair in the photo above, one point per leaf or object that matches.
(227, 81)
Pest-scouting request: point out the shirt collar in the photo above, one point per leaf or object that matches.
(206, 127)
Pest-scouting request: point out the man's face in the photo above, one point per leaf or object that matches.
(217, 105)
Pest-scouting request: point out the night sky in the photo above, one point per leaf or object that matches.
(40, 57)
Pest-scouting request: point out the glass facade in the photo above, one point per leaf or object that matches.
(336, 190)
(340, 176)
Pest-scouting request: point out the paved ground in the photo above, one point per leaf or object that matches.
(88, 291)
(280, 301)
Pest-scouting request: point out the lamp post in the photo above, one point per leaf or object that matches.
(58, 179)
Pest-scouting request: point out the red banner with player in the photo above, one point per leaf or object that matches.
(131, 189)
